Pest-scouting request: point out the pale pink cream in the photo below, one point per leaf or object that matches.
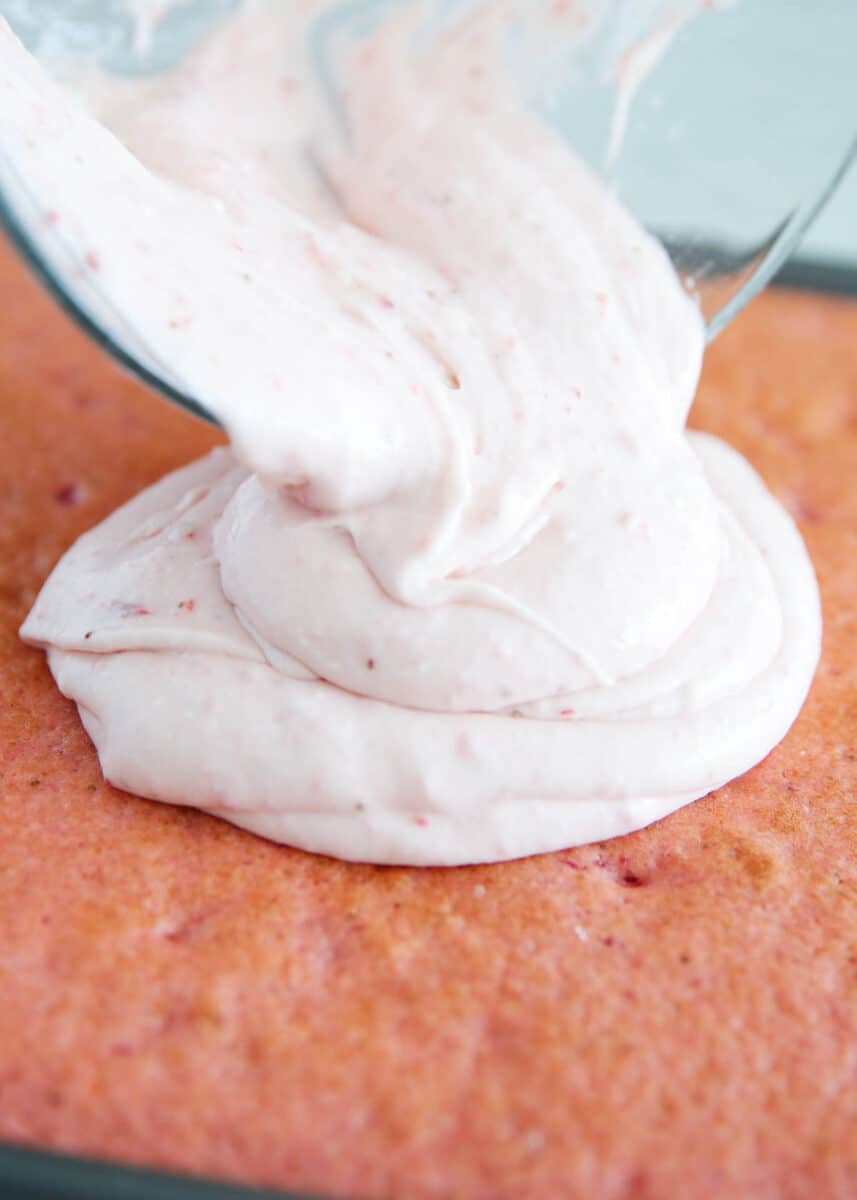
(464, 588)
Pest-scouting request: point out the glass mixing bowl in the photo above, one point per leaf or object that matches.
(724, 125)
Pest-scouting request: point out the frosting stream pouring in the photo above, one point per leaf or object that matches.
(463, 588)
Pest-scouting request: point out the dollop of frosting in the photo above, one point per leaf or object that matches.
(463, 588)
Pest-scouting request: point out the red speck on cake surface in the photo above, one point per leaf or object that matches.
(69, 495)
(669, 1014)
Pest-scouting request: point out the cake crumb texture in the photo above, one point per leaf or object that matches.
(671, 1014)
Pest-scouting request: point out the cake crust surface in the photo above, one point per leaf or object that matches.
(669, 1014)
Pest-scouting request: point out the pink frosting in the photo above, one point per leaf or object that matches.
(463, 588)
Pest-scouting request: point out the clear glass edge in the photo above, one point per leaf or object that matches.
(15, 231)
(782, 247)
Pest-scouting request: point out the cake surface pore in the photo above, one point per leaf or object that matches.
(672, 1013)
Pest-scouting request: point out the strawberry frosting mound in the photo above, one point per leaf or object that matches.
(463, 589)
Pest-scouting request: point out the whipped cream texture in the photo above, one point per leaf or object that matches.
(463, 587)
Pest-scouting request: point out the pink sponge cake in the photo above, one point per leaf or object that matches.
(671, 1014)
